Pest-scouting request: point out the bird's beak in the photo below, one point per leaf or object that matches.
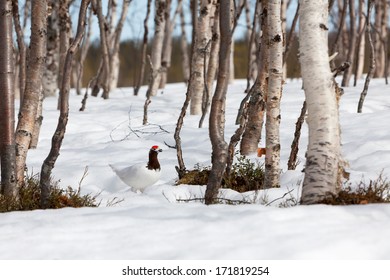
(159, 150)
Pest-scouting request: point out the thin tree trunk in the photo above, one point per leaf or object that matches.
(103, 79)
(36, 64)
(291, 35)
(38, 123)
(340, 30)
(65, 27)
(167, 48)
(275, 80)
(377, 40)
(292, 160)
(143, 50)
(372, 66)
(115, 44)
(217, 116)
(251, 137)
(7, 106)
(199, 52)
(50, 76)
(184, 48)
(351, 51)
(157, 47)
(360, 45)
(83, 53)
(211, 67)
(252, 63)
(22, 49)
(59, 133)
(323, 155)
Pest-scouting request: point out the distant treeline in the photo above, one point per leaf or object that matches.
(130, 57)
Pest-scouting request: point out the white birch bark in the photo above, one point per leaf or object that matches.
(284, 30)
(323, 153)
(378, 39)
(157, 46)
(202, 38)
(361, 43)
(50, 76)
(275, 35)
(115, 43)
(351, 50)
(184, 48)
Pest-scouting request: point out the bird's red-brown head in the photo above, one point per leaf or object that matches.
(155, 148)
(153, 160)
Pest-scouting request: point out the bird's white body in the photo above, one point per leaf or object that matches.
(141, 175)
(138, 176)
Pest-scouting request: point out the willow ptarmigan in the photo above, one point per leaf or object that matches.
(141, 175)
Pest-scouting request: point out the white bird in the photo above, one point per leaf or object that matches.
(141, 175)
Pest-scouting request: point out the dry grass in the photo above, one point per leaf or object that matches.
(376, 191)
(245, 176)
(59, 198)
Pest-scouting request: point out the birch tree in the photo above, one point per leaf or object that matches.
(323, 158)
(59, 133)
(36, 64)
(143, 50)
(167, 43)
(217, 117)
(184, 47)
(7, 108)
(258, 91)
(157, 47)
(200, 50)
(272, 158)
(21, 48)
(360, 45)
(104, 80)
(351, 50)
(114, 43)
(50, 76)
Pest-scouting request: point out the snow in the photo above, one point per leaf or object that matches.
(154, 225)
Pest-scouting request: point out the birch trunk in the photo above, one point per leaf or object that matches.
(217, 117)
(116, 32)
(7, 106)
(202, 37)
(360, 45)
(157, 47)
(256, 106)
(351, 50)
(36, 64)
(323, 153)
(378, 39)
(372, 66)
(143, 50)
(83, 53)
(59, 133)
(184, 47)
(167, 45)
(50, 76)
(275, 80)
(252, 69)
(104, 78)
(64, 29)
(212, 65)
(21, 48)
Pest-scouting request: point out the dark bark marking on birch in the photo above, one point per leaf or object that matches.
(324, 27)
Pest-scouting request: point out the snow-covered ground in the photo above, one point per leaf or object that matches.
(154, 225)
